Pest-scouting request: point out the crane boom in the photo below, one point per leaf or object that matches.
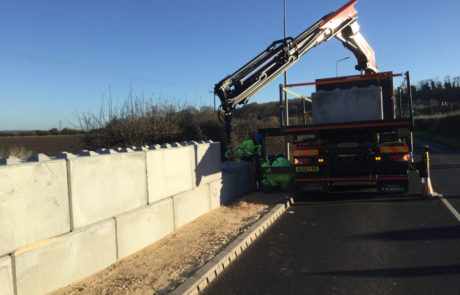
(240, 86)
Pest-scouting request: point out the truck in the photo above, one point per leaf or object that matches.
(361, 129)
(358, 135)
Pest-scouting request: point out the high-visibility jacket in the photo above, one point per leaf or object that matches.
(248, 149)
(267, 181)
(282, 179)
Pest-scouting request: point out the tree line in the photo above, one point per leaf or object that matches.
(52, 131)
(436, 96)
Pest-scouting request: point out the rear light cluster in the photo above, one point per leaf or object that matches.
(302, 161)
(395, 158)
(307, 161)
(399, 158)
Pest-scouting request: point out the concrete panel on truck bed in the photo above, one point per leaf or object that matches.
(242, 173)
(6, 276)
(103, 186)
(57, 262)
(170, 171)
(34, 203)
(143, 226)
(347, 105)
(222, 191)
(191, 204)
(207, 163)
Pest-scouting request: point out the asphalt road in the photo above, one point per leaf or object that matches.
(358, 243)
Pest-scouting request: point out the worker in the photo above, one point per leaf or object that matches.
(267, 182)
(250, 149)
(284, 179)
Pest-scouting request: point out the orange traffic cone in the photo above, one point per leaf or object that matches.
(423, 186)
(426, 188)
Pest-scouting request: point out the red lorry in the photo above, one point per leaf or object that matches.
(361, 127)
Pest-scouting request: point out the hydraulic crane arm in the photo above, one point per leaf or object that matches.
(240, 86)
(355, 42)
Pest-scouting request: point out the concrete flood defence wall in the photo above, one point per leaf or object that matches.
(69, 216)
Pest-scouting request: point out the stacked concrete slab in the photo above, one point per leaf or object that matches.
(347, 105)
(6, 276)
(65, 217)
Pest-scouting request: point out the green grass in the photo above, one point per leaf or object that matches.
(452, 142)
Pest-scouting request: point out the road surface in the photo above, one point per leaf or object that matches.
(359, 244)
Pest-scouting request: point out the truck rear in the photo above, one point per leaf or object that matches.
(359, 135)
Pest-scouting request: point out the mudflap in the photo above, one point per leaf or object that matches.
(393, 186)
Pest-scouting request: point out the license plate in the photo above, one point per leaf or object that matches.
(307, 169)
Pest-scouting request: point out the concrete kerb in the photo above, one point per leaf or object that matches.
(206, 274)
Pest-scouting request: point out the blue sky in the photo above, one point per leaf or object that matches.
(59, 57)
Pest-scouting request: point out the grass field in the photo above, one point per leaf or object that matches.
(452, 142)
(444, 129)
(49, 145)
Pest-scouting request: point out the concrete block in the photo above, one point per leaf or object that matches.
(105, 151)
(242, 173)
(347, 105)
(57, 262)
(64, 155)
(8, 160)
(207, 164)
(169, 172)
(38, 158)
(141, 227)
(140, 148)
(222, 191)
(86, 153)
(106, 186)
(191, 204)
(123, 150)
(6, 276)
(34, 203)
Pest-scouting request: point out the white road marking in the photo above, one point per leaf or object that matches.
(450, 207)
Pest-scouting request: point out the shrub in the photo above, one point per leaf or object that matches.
(16, 151)
(141, 121)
